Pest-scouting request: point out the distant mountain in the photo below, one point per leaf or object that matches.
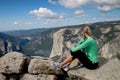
(107, 35)
(41, 41)
(25, 33)
(8, 43)
(24, 36)
(4, 37)
(35, 41)
(41, 44)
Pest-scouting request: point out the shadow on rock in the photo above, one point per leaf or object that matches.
(102, 61)
(76, 67)
(1, 55)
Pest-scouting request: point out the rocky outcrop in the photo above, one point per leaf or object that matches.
(16, 66)
(63, 40)
(107, 37)
(12, 63)
(111, 49)
(41, 65)
(2, 77)
(38, 77)
(108, 71)
(57, 45)
(2, 48)
(8, 45)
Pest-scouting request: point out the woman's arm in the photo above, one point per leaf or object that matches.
(80, 42)
(81, 46)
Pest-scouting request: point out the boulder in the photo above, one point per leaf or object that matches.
(12, 63)
(2, 77)
(38, 77)
(107, 71)
(74, 63)
(40, 65)
(39, 57)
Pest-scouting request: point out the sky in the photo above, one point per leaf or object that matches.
(31, 14)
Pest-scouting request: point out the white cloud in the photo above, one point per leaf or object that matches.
(74, 3)
(52, 2)
(107, 5)
(94, 19)
(45, 13)
(79, 13)
(52, 23)
(16, 23)
(102, 5)
(105, 8)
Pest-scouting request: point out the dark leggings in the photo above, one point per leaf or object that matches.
(84, 59)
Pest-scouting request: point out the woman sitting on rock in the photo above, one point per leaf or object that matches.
(88, 57)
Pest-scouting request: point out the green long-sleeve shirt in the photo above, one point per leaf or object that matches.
(90, 46)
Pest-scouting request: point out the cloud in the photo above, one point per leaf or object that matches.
(16, 23)
(79, 13)
(102, 5)
(105, 8)
(53, 21)
(45, 13)
(107, 5)
(52, 2)
(73, 3)
(94, 19)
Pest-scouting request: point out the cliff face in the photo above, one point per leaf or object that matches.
(107, 36)
(40, 44)
(64, 39)
(2, 48)
(111, 39)
(111, 49)
(8, 43)
(16, 66)
(58, 41)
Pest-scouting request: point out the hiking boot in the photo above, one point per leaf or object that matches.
(65, 68)
(56, 65)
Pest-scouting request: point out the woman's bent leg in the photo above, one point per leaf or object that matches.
(84, 59)
(67, 61)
